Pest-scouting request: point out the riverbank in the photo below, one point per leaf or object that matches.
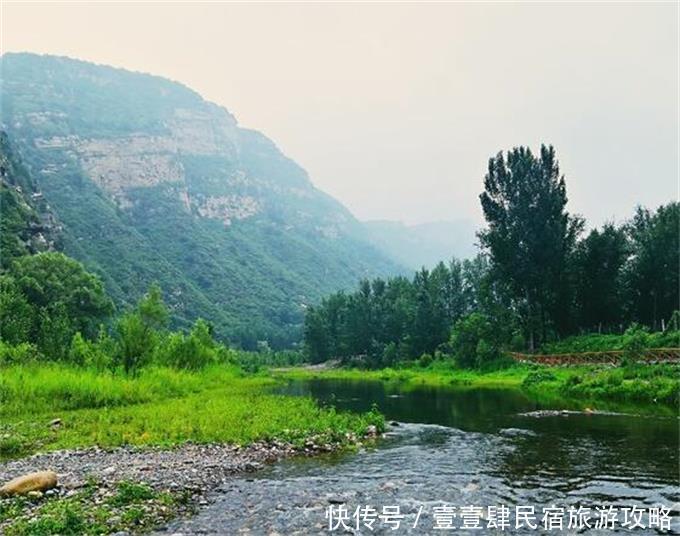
(141, 450)
(656, 387)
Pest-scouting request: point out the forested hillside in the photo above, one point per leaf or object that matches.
(152, 183)
(27, 224)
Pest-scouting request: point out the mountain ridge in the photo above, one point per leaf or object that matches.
(154, 183)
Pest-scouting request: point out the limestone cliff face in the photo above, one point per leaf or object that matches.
(121, 164)
(153, 183)
(177, 140)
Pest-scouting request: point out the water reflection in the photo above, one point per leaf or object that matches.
(462, 447)
(563, 452)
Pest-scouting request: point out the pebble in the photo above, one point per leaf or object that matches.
(197, 469)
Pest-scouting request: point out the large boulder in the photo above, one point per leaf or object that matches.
(39, 481)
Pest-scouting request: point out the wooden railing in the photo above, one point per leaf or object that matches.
(653, 355)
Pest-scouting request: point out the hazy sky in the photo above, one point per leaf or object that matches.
(395, 108)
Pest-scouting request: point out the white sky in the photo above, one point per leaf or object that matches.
(395, 108)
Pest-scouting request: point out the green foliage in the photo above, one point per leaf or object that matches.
(601, 343)
(538, 376)
(46, 298)
(64, 518)
(98, 355)
(652, 277)
(193, 351)
(530, 235)
(25, 226)
(473, 341)
(251, 278)
(161, 406)
(635, 342)
(89, 511)
(139, 330)
(22, 353)
(387, 321)
(598, 272)
(132, 492)
(425, 360)
(650, 384)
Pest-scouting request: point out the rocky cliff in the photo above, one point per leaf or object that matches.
(27, 224)
(152, 182)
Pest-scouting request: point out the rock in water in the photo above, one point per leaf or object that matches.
(39, 481)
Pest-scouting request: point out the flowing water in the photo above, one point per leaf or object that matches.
(458, 447)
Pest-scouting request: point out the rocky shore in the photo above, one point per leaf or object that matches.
(140, 488)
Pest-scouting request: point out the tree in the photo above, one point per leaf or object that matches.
(139, 330)
(16, 314)
(193, 351)
(51, 279)
(530, 235)
(652, 275)
(598, 263)
(473, 341)
(316, 336)
(46, 298)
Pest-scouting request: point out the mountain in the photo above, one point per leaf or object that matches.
(27, 224)
(153, 183)
(423, 244)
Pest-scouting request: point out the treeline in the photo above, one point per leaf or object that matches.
(52, 309)
(538, 279)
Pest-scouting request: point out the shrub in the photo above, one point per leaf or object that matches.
(19, 354)
(573, 380)
(390, 355)
(538, 376)
(425, 360)
(615, 378)
(193, 351)
(97, 355)
(471, 341)
(635, 343)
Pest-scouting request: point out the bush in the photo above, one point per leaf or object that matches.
(97, 355)
(538, 376)
(192, 352)
(19, 354)
(635, 343)
(472, 341)
(390, 355)
(573, 380)
(425, 360)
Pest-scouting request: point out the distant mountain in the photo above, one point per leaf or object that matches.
(424, 244)
(153, 183)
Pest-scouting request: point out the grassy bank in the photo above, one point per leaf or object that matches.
(157, 407)
(650, 385)
(50, 406)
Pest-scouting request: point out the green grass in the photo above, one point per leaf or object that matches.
(133, 507)
(159, 407)
(436, 375)
(594, 342)
(656, 387)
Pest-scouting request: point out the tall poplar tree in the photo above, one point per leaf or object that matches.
(530, 234)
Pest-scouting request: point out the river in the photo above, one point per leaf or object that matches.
(459, 448)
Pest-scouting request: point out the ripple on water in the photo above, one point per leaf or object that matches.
(416, 466)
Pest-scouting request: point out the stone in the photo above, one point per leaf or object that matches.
(38, 481)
